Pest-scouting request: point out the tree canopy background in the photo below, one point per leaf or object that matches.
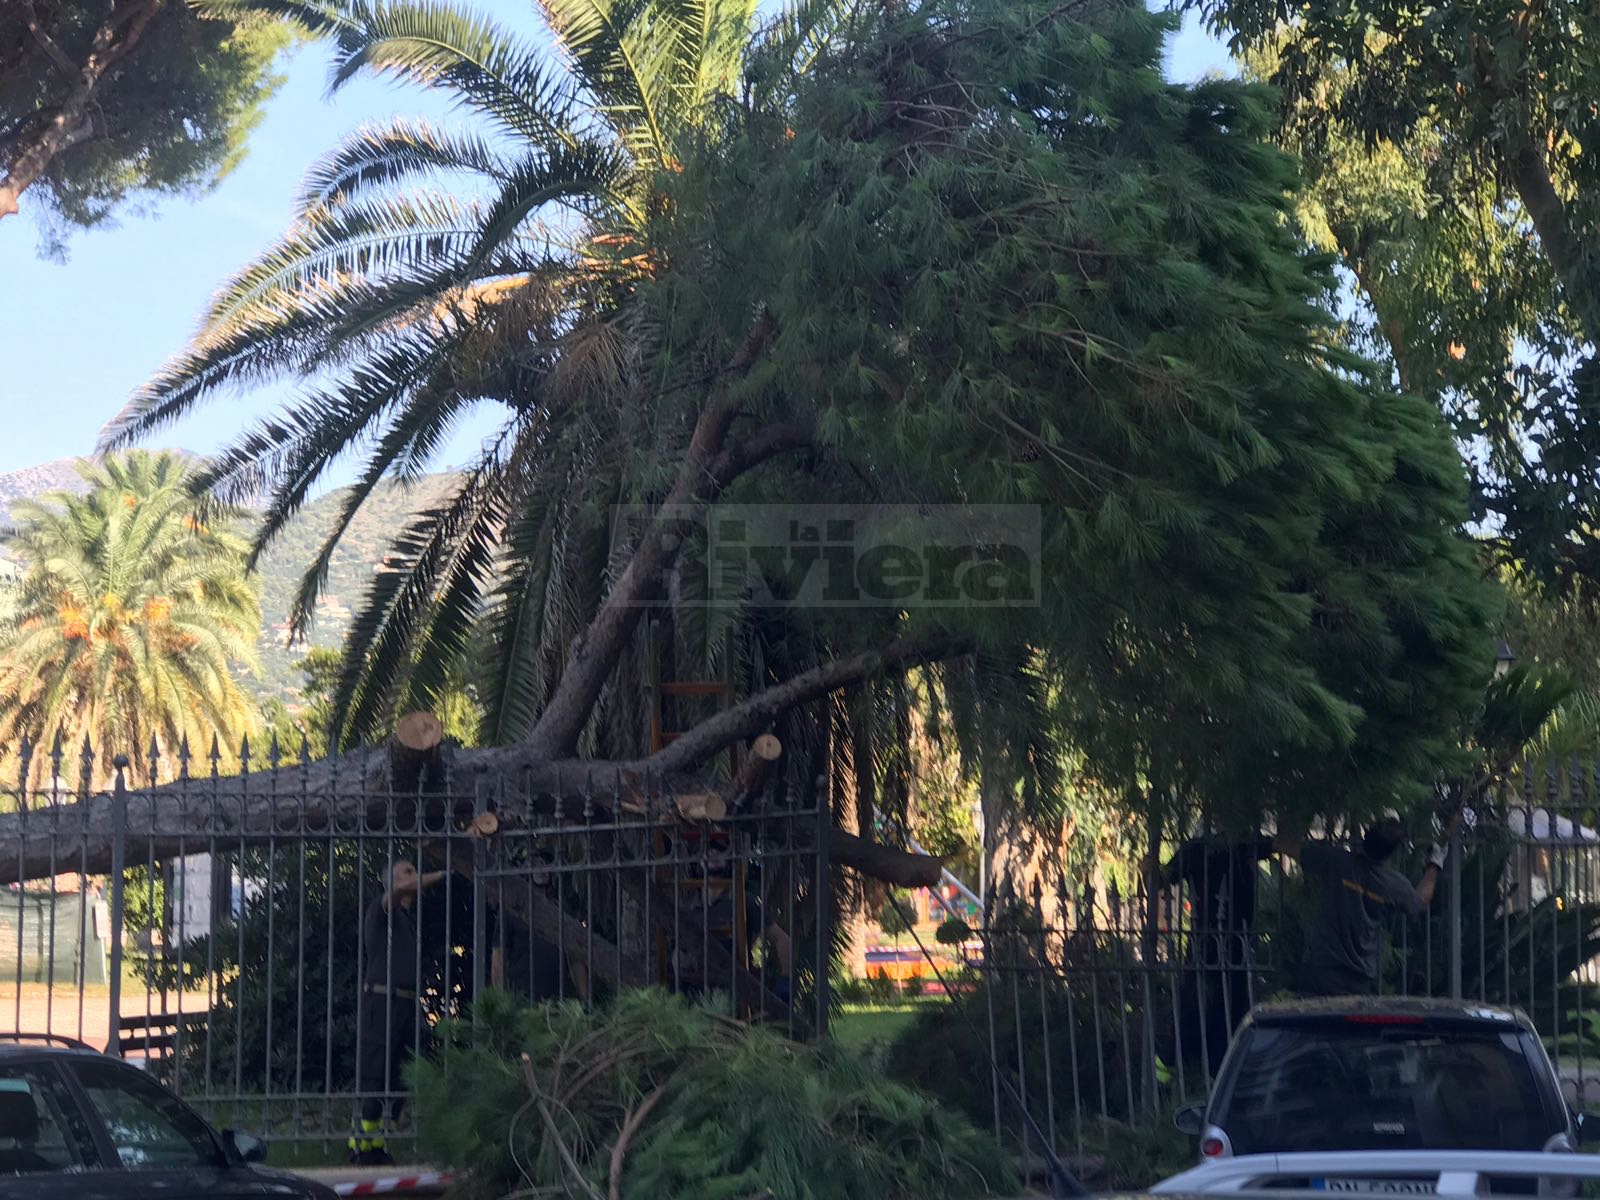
(106, 102)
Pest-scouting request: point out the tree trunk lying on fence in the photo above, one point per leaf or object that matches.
(352, 793)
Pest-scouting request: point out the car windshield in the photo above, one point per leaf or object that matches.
(1360, 1087)
(148, 1126)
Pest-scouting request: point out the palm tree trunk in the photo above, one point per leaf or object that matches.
(595, 653)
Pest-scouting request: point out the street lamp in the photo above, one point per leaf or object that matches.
(1505, 658)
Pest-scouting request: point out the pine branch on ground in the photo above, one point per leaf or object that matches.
(537, 1100)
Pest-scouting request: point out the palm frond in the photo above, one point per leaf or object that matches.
(381, 156)
(631, 56)
(426, 424)
(803, 30)
(441, 551)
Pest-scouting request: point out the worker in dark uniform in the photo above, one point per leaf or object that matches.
(1214, 993)
(390, 1018)
(1355, 891)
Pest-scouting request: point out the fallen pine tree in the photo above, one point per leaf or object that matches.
(656, 1097)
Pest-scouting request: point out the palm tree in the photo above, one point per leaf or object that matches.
(133, 619)
(431, 272)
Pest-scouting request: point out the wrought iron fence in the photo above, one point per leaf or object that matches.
(224, 929)
(1092, 1008)
(231, 933)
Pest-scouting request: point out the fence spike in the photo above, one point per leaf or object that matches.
(274, 753)
(25, 762)
(244, 754)
(56, 752)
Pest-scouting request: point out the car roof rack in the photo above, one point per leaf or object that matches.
(24, 1037)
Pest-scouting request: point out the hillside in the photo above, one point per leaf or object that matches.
(30, 482)
(349, 574)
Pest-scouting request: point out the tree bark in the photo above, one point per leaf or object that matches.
(751, 716)
(31, 154)
(595, 652)
(546, 918)
(414, 751)
(899, 867)
(1530, 177)
(756, 769)
(1568, 256)
(345, 796)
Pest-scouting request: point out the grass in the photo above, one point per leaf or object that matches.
(863, 1024)
(301, 1156)
(320, 1142)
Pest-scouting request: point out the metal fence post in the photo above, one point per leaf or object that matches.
(119, 836)
(480, 910)
(823, 798)
(1454, 858)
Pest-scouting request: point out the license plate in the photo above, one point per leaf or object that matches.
(1377, 1187)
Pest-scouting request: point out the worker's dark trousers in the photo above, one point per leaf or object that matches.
(1213, 996)
(389, 1024)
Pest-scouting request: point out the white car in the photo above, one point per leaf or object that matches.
(1384, 1074)
(1383, 1173)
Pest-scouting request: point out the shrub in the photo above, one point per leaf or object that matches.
(847, 989)
(1090, 1038)
(534, 1101)
(893, 917)
(880, 989)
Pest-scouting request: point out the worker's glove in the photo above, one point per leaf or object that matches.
(1437, 854)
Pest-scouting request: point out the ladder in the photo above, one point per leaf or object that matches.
(717, 868)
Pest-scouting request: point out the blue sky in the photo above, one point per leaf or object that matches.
(79, 337)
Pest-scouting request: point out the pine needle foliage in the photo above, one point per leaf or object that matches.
(1010, 264)
(170, 116)
(734, 1111)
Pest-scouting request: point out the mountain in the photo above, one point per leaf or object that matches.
(360, 555)
(30, 482)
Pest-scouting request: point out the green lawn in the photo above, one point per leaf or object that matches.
(275, 1122)
(290, 1156)
(861, 1024)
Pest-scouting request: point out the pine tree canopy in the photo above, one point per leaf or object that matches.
(102, 101)
(949, 253)
(1008, 264)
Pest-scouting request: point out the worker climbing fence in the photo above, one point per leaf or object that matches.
(1089, 1005)
(242, 915)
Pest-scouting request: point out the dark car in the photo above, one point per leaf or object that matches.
(76, 1124)
(1385, 1073)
